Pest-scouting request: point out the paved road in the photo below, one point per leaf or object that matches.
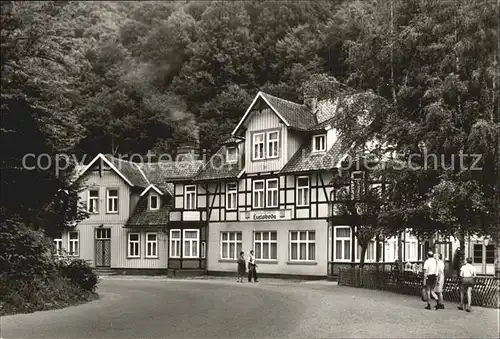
(152, 308)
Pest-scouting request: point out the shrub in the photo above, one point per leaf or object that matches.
(80, 273)
(30, 277)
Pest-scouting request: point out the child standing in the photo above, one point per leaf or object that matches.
(241, 267)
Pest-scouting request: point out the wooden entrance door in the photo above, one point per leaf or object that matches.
(103, 247)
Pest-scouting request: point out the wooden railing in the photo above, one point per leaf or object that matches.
(485, 293)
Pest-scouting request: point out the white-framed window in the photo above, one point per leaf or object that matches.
(191, 243)
(302, 245)
(175, 243)
(93, 201)
(411, 250)
(230, 245)
(342, 248)
(58, 243)
(357, 180)
(273, 144)
(74, 243)
(190, 197)
(272, 193)
(303, 191)
(258, 194)
(154, 202)
(370, 252)
(319, 143)
(391, 250)
(151, 245)
(258, 146)
(265, 245)
(231, 154)
(112, 201)
(231, 195)
(134, 245)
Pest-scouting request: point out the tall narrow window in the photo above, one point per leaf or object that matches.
(175, 243)
(231, 245)
(302, 245)
(342, 243)
(303, 191)
(154, 202)
(258, 146)
(93, 201)
(231, 154)
(272, 193)
(478, 253)
(191, 243)
(151, 245)
(258, 194)
(490, 254)
(265, 245)
(319, 143)
(73, 244)
(190, 197)
(112, 198)
(58, 243)
(273, 144)
(133, 245)
(231, 195)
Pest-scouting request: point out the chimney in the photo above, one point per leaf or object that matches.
(311, 99)
(187, 153)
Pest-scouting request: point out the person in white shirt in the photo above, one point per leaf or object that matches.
(252, 272)
(468, 274)
(430, 272)
(440, 281)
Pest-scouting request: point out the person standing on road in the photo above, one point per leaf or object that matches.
(440, 282)
(252, 272)
(430, 271)
(468, 274)
(241, 267)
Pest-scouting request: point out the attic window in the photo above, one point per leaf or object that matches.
(231, 154)
(319, 143)
(154, 202)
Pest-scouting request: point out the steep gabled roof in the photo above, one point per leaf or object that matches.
(297, 115)
(292, 114)
(128, 171)
(131, 170)
(217, 168)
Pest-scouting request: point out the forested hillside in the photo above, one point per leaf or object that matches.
(128, 77)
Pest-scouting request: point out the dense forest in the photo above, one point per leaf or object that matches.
(128, 77)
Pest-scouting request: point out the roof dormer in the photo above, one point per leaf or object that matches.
(154, 201)
(319, 142)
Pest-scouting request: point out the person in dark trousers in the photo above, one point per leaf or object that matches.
(430, 275)
(252, 272)
(468, 274)
(241, 267)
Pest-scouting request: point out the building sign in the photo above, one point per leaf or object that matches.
(266, 215)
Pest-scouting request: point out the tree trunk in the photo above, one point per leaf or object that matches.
(462, 246)
(400, 250)
(364, 247)
(497, 255)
